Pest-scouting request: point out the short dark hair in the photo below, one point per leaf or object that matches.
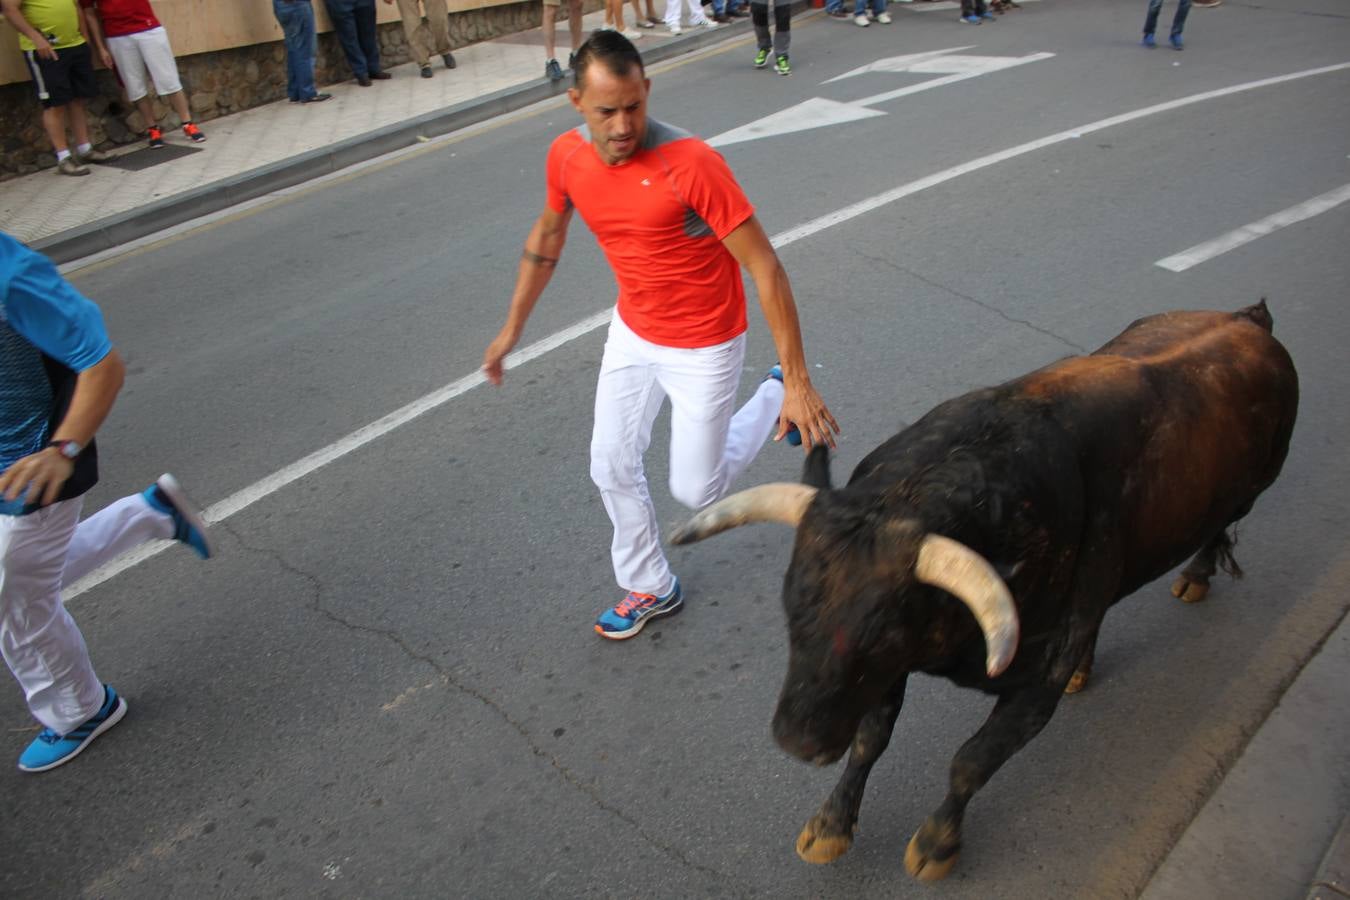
(612, 50)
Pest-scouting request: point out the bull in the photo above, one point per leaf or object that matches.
(986, 542)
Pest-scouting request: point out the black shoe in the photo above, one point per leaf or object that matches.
(571, 60)
(721, 18)
(739, 13)
(317, 98)
(553, 71)
(381, 76)
(363, 81)
(426, 71)
(449, 59)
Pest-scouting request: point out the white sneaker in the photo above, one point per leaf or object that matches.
(632, 34)
(884, 19)
(861, 20)
(709, 23)
(675, 29)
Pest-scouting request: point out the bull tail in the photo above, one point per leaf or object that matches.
(1259, 314)
(1224, 552)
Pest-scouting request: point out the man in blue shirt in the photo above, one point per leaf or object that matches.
(59, 376)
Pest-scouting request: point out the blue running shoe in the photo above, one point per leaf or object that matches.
(50, 749)
(987, 16)
(794, 437)
(167, 496)
(1176, 42)
(1148, 42)
(635, 610)
(971, 20)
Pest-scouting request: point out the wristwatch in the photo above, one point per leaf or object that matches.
(69, 449)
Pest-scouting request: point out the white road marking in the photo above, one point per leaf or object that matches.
(1184, 260)
(252, 494)
(819, 112)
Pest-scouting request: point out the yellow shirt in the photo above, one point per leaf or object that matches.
(57, 20)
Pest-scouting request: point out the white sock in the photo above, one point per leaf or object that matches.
(61, 155)
(84, 148)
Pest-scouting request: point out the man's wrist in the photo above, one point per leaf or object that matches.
(68, 449)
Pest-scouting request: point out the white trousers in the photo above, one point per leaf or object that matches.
(145, 55)
(675, 7)
(42, 645)
(711, 442)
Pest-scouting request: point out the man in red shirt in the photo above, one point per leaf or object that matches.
(130, 39)
(676, 229)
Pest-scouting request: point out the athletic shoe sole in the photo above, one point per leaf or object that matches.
(632, 632)
(114, 717)
(170, 486)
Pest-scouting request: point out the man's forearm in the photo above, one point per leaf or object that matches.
(780, 314)
(540, 257)
(19, 22)
(95, 390)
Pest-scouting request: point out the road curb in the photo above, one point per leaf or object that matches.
(1332, 881)
(114, 231)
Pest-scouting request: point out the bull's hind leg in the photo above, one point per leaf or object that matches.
(1016, 718)
(829, 833)
(1192, 585)
(1081, 674)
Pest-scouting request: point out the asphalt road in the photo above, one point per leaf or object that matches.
(387, 685)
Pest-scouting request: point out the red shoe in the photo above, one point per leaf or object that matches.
(193, 133)
(156, 135)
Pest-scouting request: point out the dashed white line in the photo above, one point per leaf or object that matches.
(1184, 260)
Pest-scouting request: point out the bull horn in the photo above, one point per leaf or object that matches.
(778, 502)
(967, 576)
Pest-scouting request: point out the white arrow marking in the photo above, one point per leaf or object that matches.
(819, 112)
(896, 63)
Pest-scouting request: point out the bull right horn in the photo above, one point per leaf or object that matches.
(778, 502)
(967, 576)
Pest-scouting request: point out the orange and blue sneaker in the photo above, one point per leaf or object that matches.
(50, 749)
(635, 610)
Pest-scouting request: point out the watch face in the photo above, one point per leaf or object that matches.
(70, 449)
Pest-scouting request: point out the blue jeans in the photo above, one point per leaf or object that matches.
(1178, 21)
(833, 5)
(354, 23)
(297, 23)
(878, 6)
(722, 7)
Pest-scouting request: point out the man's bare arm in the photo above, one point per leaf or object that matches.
(21, 25)
(543, 249)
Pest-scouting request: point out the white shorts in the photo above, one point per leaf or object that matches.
(141, 53)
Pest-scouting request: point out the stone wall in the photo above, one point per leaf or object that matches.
(229, 81)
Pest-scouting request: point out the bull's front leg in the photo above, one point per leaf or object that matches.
(1015, 720)
(829, 833)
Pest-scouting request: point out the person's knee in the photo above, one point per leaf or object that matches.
(609, 468)
(695, 490)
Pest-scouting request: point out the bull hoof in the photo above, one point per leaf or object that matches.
(1077, 682)
(924, 867)
(1189, 591)
(817, 844)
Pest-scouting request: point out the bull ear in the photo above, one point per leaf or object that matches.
(816, 471)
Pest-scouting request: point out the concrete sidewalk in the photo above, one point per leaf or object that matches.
(265, 149)
(1276, 824)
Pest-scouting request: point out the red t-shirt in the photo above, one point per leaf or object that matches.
(120, 17)
(660, 216)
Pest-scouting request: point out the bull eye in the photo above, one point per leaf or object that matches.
(841, 642)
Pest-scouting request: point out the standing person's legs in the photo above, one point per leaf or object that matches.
(759, 18)
(1179, 20)
(438, 22)
(367, 36)
(343, 14)
(41, 642)
(297, 25)
(574, 24)
(1151, 19)
(672, 15)
(418, 35)
(548, 24)
(54, 123)
(782, 27)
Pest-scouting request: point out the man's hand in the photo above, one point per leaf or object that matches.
(42, 474)
(107, 58)
(803, 407)
(43, 48)
(496, 353)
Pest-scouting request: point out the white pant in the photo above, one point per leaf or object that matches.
(42, 644)
(710, 441)
(142, 53)
(674, 7)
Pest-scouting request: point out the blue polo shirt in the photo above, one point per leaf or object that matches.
(49, 333)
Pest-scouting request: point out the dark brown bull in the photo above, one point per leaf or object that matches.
(1024, 509)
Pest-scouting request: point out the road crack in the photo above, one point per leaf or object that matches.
(448, 677)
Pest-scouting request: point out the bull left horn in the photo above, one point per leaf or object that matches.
(778, 502)
(967, 576)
